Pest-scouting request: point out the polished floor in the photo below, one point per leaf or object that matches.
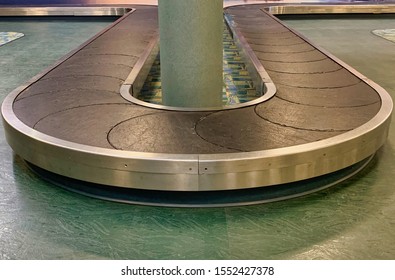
(352, 221)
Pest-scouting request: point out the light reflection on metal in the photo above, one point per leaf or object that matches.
(330, 9)
(64, 11)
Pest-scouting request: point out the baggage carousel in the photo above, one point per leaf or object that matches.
(79, 125)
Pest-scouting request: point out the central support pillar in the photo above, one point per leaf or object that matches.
(191, 52)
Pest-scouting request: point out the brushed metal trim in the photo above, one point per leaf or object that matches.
(140, 71)
(194, 172)
(64, 11)
(134, 82)
(126, 90)
(292, 9)
(94, 164)
(209, 204)
(254, 66)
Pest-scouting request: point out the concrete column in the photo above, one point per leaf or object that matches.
(191, 52)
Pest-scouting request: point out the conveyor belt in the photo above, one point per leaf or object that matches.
(72, 120)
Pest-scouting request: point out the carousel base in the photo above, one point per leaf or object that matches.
(204, 198)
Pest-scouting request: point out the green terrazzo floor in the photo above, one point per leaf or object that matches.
(352, 221)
